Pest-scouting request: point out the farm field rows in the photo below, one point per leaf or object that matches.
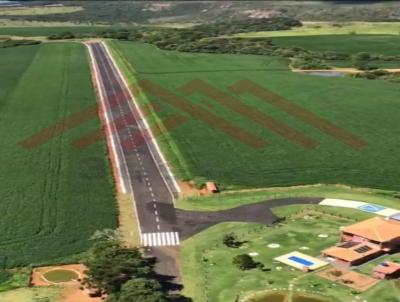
(388, 45)
(53, 195)
(38, 10)
(349, 44)
(200, 150)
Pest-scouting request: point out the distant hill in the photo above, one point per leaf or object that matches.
(206, 11)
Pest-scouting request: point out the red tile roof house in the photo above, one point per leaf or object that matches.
(365, 241)
(387, 270)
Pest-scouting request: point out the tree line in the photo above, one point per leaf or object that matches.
(218, 38)
(123, 274)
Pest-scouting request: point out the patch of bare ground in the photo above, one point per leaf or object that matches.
(189, 189)
(349, 278)
(73, 291)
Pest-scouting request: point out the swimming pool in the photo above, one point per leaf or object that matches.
(301, 261)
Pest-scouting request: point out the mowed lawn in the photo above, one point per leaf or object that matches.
(209, 274)
(53, 197)
(367, 109)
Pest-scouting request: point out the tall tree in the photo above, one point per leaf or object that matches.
(142, 290)
(110, 264)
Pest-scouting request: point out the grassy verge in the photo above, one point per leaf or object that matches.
(48, 293)
(233, 199)
(128, 225)
(166, 142)
(13, 279)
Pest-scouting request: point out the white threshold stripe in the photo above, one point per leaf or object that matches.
(160, 239)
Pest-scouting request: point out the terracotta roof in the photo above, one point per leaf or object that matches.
(377, 229)
(387, 268)
(350, 254)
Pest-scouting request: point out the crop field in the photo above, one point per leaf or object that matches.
(53, 195)
(202, 148)
(350, 44)
(388, 45)
(38, 10)
(332, 28)
(33, 31)
(209, 274)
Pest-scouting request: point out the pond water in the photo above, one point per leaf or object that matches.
(279, 297)
(60, 275)
(327, 73)
(272, 298)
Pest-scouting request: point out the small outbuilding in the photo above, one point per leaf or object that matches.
(387, 270)
(212, 187)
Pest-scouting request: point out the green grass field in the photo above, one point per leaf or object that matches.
(332, 28)
(227, 200)
(201, 150)
(209, 274)
(53, 197)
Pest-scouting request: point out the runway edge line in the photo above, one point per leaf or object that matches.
(115, 161)
(147, 130)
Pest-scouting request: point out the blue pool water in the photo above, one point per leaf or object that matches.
(371, 208)
(301, 260)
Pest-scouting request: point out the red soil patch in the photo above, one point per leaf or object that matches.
(188, 189)
(351, 279)
(72, 291)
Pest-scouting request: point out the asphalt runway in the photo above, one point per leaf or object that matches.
(141, 172)
(139, 166)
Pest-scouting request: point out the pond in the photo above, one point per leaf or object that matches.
(326, 73)
(60, 275)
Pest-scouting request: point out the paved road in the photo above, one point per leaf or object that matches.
(141, 171)
(191, 222)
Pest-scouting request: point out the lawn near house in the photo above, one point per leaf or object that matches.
(210, 275)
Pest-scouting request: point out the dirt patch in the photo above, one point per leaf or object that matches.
(188, 189)
(348, 278)
(73, 291)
